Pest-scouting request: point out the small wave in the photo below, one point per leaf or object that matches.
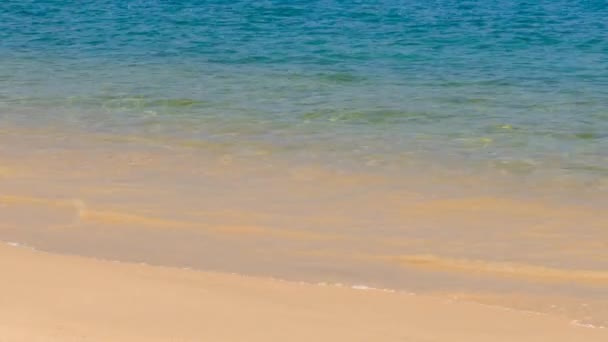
(18, 245)
(377, 116)
(585, 324)
(508, 269)
(84, 213)
(111, 102)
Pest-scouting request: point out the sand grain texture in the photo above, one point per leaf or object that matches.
(47, 297)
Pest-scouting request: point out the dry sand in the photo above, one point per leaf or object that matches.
(48, 297)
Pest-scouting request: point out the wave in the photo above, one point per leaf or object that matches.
(507, 269)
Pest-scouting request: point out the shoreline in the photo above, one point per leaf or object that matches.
(135, 202)
(96, 300)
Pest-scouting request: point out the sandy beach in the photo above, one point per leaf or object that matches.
(46, 297)
(303, 171)
(78, 200)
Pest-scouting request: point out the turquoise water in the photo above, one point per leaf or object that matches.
(513, 87)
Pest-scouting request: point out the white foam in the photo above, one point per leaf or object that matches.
(583, 324)
(362, 287)
(18, 245)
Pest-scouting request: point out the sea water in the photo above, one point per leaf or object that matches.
(445, 146)
(512, 86)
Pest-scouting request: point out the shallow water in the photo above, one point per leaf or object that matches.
(509, 86)
(452, 147)
(163, 203)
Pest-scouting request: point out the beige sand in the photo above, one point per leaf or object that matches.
(97, 197)
(47, 297)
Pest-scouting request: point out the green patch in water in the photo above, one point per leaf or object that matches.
(477, 142)
(341, 77)
(380, 116)
(586, 135)
(176, 103)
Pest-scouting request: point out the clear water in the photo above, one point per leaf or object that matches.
(512, 86)
(452, 146)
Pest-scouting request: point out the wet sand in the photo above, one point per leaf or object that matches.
(166, 203)
(48, 297)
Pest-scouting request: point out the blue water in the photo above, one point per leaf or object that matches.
(507, 86)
